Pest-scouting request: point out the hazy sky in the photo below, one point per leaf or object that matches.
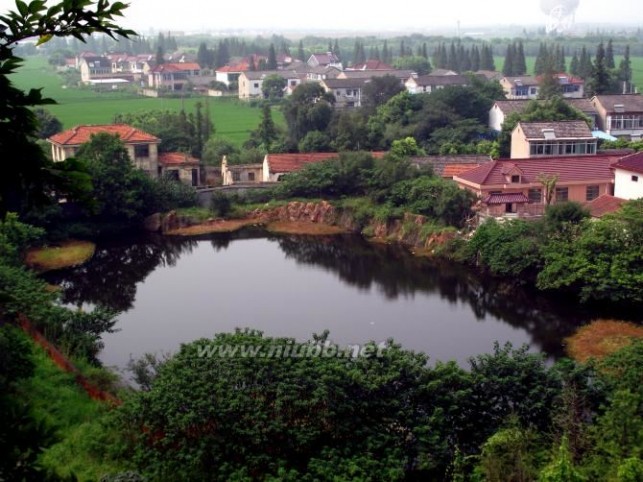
(357, 14)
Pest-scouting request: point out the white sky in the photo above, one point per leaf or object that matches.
(356, 15)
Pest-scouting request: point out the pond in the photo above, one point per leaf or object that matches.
(174, 290)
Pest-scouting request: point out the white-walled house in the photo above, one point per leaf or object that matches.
(628, 177)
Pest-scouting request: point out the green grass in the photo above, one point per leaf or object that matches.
(84, 444)
(233, 119)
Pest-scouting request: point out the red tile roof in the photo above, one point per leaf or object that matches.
(282, 163)
(568, 169)
(82, 134)
(176, 159)
(633, 163)
(603, 205)
(504, 198)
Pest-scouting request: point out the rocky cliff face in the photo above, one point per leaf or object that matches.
(412, 230)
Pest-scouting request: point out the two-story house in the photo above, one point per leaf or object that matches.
(516, 187)
(173, 76)
(431, 83)
(326, 59)
(620, 115)
(347, 92)
(520, 87)
(501, 109)
(92, 68)
(251, 82)
(141, 146)
(562, 138)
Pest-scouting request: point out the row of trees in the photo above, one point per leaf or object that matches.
(460, 58)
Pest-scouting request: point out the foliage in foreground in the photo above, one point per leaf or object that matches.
(392, 416)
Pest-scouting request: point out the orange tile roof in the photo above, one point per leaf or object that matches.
(451, 170)
(82, 134)
(176, 159)
(177, 67)
(283, 163)
(603, 205)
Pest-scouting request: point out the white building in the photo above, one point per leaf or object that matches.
(628, 177)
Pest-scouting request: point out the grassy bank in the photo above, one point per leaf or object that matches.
(65, 255)
(57, 402)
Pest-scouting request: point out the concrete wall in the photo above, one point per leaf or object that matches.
(628, 185)
(519, 144)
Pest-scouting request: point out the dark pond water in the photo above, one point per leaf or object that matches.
(175, 290)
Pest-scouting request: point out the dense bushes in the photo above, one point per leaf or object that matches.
(599, 259)
(389, 416)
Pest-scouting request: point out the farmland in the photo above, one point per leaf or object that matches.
(232, 119)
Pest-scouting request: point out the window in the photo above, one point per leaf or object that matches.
(535, 196)
(562, 194)
(515, 178)
(591, 193)
(256, 85)
(251, 176)
(142, 150)
(236, 176)
(635, 178)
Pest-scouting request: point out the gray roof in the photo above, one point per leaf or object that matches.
(426, 80)
(457, 161)
(522, 80)
(630, 102)
(367, 74)
(511, 106)
(262, 74)
(345, 83)
(561, 130)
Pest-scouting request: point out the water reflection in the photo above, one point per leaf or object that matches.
(111, 278)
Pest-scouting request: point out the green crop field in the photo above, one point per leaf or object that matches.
(232, 118)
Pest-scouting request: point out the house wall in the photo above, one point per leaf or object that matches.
(249, 89)
(184, 174)
(519, 144)
(150, 163)
(627, 184)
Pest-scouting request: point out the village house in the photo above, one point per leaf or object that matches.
(431, 83)
(520, 87)
(173, 76)
(528, 87)
(92, 68)
(141, 146)
(234, 174)
(401, 75)
(515, 187)
(620, 115)
(370, 65)
(562, 138)
(628, 177)
(317, 74)
(180, 166)
(347, 92)
(250, 83)
(501, 109)
(277, 165)
(327, 59)
(230, 73)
